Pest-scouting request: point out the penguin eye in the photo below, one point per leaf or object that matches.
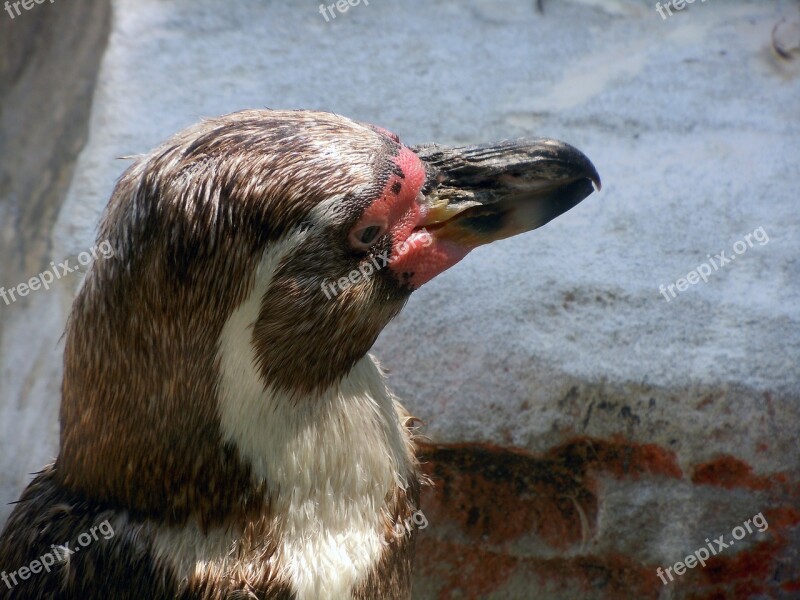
(368, 234)
(363, 238)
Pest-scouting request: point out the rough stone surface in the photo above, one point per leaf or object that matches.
(583, 430)
(49, 59)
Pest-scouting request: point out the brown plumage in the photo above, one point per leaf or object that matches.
(212, 394)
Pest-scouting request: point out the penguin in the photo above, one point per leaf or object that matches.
(224, 431)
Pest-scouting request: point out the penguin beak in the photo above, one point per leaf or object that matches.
(476, 195)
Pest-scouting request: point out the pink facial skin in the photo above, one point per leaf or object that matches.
(427, 259)
(417, 256)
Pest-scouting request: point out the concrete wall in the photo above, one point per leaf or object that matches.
(584, 429)
(49, 60)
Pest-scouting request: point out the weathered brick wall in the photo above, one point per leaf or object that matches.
(505, 523)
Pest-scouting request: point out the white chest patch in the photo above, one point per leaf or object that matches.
(329, 462)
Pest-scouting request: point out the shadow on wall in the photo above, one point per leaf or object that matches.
(49, 60)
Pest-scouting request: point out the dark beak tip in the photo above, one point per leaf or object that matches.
(573, 160)
(582, 162)
(592, 174)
